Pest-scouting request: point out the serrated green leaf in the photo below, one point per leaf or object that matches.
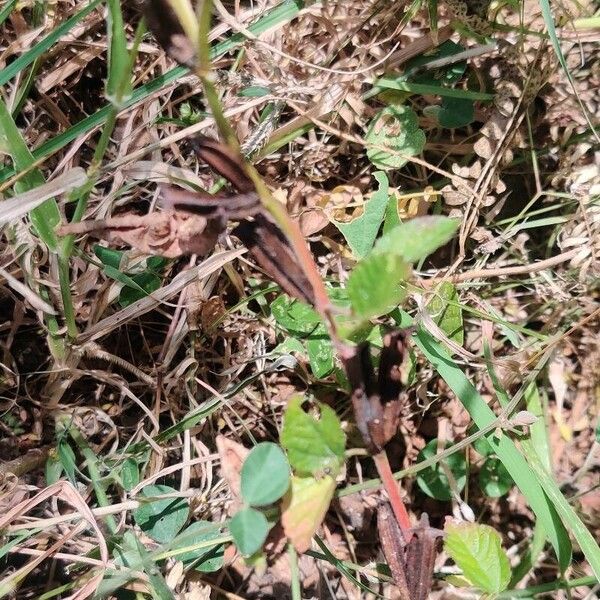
(477, 550)
(444, 308)
(374, 286)
(314, 446)
(494, 478)
(249, 528)
(161, 519)
(320, 355)
(433, 480)
(417, 238)
(394, 131)
(205, 559)
(360, 233)
(265, 475)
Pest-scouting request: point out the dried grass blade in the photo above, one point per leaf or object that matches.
(27, 293)
(210, 265)
(20, 204)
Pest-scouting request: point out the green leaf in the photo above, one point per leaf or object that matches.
(161, 519)
(296, 317)
(67, 459)
(395, 128)
(453, 112)
(145, 283)
(417, 238)
(109, 256)
(477, 550)
(374, 286)
(446, 311)
(320, 355)
(265, 475)
(249, 528)
(446, 75)
(53, 470)
(494, 478)
(360, 233)
(130, 474)
(207, 558)
(314, 446)
(433, 480)
(254, 91)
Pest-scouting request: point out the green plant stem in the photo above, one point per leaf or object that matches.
(295, 573)
(547, 587)
(91, 463)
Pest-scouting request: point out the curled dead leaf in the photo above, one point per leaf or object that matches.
(170, 234)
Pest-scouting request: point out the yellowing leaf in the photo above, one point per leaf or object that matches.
(304, 508)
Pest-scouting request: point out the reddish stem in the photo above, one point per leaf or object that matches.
(392, 488)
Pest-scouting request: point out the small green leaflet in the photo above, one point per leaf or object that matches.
(417, 238)
(360, 233)
(374, 286)
(494, 478)
(477, 550)
(395, 128)
(249, 528)
(265, 475)
(314, 446)
(433, 480)
(161, 519)
(205, 558)
(444, 308)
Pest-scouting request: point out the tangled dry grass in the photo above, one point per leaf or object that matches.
(161, 378)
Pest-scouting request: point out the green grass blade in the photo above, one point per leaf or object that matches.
(6, 10)
(118, 82)
(580, 532)
(46, 216)
(28, 57)
(386, 83)
(483, 416)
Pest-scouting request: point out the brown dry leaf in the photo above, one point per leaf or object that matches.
(336, 202)
(170, 234)
(232, 457)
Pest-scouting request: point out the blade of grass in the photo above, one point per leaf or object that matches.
(386, 83)
(531, 487)
(6, 10)
(44, 217)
